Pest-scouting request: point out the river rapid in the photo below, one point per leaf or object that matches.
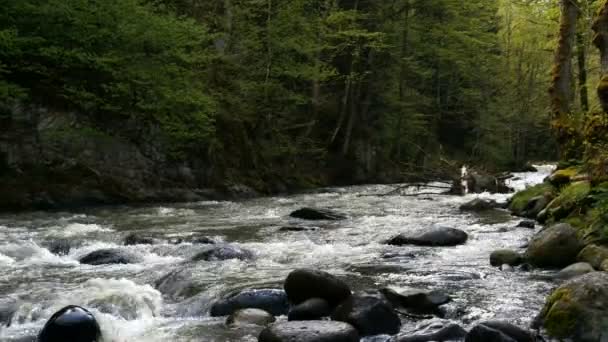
(129, 308)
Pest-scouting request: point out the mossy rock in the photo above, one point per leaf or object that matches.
(571, 197)
(578, 309)
(563, 176)
(594, 255)
(521, 200)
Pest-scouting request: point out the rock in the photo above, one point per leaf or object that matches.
(223, 252)
(505, 256)
(72, 323)
(370, 315)
(297, 229)
(109, 256)
(416, 300)
(513, 331)
(554, 247)
(574, 270)
(194, 239)
(578, 309)
(604, 266)
(440, 236)
(310, 310)
(304, 284)
(8, 308)
(273, 301)
(241, 191)
(563, 176)
(450, 332)
(59, 247)
(179, 284)
(478, 205)
(527, 224)
(532, 200)
(134, 239)
(594, 255)
(535, 206)
(479, 183)
(482, 333)
(250, 317)
(528, 167)
(314, 214)
(309, 331)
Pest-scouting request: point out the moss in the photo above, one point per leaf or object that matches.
(564, 176)
(569, 201)
(521, 199)
(560, 314)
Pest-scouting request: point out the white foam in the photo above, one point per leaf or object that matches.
(28, 252)
(6, 260)
(76, 229)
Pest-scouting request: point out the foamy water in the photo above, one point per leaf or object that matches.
(129, 308)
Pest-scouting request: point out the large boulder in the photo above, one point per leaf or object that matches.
(72, 323)
(574, 270)
(578, 310)
(594, 255)
(109, 256)
(304, 284)
(309, 331)
(370, 315)
(479, 183)
(223, 252)
(483, 333)
(439, 236)
(449, 332)
(179, 284)
(273, 301)
(315, 214)
(554, 247)
(416, 300)
(59, 247)
(250, 317)
(137, 239)
(310, 310)
(505, 256)
(513, 331)
(478, 205)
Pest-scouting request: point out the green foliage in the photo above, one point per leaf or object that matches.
(521, 198)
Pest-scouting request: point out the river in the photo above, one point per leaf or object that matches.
(129, 308)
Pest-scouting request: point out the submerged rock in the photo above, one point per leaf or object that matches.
(309, 331)
(449, 332)
(578, 309)
(416, 300)
(505, 256)
(554, 247)
(478, 205)
(314, 214)
(273, 301)
(109, 256)
(370, 315)
(250, 317)
(72, 323)
(179, 284)
(527, 224)
(574, 270)
(60, 247)
(436, 237)
(304, 284)
(135, 239)
(310, 310)
(224, 252)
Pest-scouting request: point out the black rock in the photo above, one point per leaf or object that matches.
(527, 224)
(310, 310)
(482, 333)
(370, 315)
(72, 323)
(478, 205)
(304, 284)
(196, 240)
(134, 239)
(109, 256)
(440, 236)
(60, 247)
(297, 229)
(505, 256)
(272, 301)
(223, 252)
(416, 300)
(450, 332)
(309, 331)
(513, 331)
(314, 214)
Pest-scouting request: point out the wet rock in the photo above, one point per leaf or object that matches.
(194, 239)
(370, 315)
(250, 317)
(109, 256)
(309, 331)
(513, 331)
(479, 183)
(528, 167)
(556, 246)
(8, 308)
(72, 323)
(527, 224)
(450, 332)
(482, 333)
(135, 239)
(224, 252)
(59, 247)
(240, 191)
(505, 256)
(479, 204)
(563, 176)
(535, 206)
(310, 310)
(416, 300)
(179, 284)
(441, 236)
(314, 214)
(297, 229)
(272, 301)
(594, 255)
(304, 284)
(574, 270)
(578, 309)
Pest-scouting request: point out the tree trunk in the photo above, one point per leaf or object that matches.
(600, 26)
(561, 87)
(582, 71)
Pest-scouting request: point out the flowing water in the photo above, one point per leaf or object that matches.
(129, 308)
